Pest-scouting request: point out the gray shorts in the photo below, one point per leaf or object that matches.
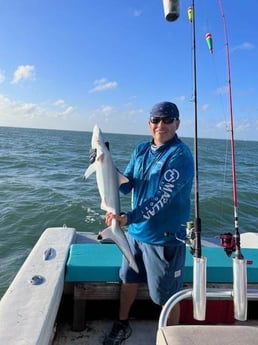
(160, 266)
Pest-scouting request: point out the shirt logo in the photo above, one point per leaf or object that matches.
(165, 192)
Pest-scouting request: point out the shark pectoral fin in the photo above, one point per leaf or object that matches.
(105, 234)
(121, 178)
(91, 169)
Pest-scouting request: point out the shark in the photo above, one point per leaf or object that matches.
(108, 181)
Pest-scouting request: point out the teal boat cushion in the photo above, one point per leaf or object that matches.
(96, 262)
(93, 262)
(220, 266)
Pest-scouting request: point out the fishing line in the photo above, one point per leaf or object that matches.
(220, 93)
(224, 163)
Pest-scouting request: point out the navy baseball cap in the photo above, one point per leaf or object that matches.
(165, 109)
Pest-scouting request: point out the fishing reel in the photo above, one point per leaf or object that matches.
(228, 242)
(190, 236)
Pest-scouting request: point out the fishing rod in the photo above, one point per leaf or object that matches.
(172, 12)
(199, 262)
(197, 219)
(238, 253)
(239, 263)
(171, 9)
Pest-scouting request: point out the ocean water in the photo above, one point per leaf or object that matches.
(41, 185)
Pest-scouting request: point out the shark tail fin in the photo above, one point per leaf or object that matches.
(91, 169)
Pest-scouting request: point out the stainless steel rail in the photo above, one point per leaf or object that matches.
(252, 294)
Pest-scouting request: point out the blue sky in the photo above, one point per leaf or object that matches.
(68, 64)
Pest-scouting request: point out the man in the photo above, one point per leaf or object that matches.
(160, 176)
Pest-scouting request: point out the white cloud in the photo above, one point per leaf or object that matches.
(16, 110)
(28, 110)
(13, 112)
(137, 13)
(105, 110)
(102, 113)
(243, 46)
(23, 72)
(242, 125)
(68, 111)
(136, 111)
(222, 90)
(2, 77)
(239, 125)
(223, 125)
(103, 85)
(204, 107)
(180, 98)
(60, 103)
(5, 104)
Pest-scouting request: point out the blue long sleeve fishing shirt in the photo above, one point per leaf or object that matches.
(160, 180)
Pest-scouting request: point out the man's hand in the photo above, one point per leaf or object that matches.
(122, 219)
(93, 153)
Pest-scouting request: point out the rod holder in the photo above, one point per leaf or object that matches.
(199, 288)
(240, 289)
(171, 10)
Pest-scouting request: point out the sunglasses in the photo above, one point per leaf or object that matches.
(165, 119)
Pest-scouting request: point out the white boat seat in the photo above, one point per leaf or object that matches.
(208, 335)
